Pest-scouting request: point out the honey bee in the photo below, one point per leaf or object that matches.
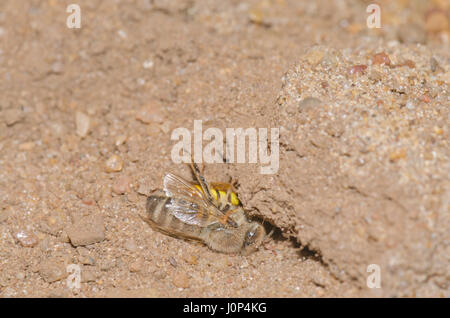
(210, 213)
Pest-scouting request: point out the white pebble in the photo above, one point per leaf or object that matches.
(122, 34)
(148, 64)
(83, 123)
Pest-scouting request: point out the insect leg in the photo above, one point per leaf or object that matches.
(226, 218)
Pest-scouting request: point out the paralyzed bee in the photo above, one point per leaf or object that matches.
(199, 211)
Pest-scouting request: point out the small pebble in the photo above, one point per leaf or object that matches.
(434, 65)
(148, 64)
(26, 146)
(438, 130)
(335, 129)
(357, 69)
(165, 127)
(191, 259)
(12, 116)
(131, 245)
(425, 98)
(121, 185)
(136, 266)
(181, 280)
(360, 162)
(86, 260)
(149, 115)
(45, 245)
(120, 140)
(132, 197)
(56, 67)
(309, 103)
(122, 34)
(106, 265)
(145, 188)
(397, 154)
(114, 164)
(88, 230)
(381, 58)
(172, 261)
(64, 237)
(208, 281)
(244, 264)
(26, 238)
(160, 274)
(82, 123)
(410, 105)
(88, 275)
(52, 224)
(20, 275)
(52, 270)
(314, 57)
(83, 251)
(255, 15)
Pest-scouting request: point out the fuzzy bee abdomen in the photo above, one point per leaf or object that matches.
(159, 215)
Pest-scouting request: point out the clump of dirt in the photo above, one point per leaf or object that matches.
(369, 150)
(86, 117)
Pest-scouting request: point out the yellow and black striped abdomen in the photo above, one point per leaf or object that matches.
(222, 196)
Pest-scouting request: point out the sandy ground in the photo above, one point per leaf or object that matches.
(86, 117)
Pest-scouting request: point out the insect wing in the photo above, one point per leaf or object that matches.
(188, 212)
(188, 203)
(177, 187)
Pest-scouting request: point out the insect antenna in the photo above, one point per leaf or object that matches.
(201, 180)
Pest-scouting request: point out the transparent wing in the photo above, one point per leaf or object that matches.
(188, 204)
(177, 187)
(189, 213)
